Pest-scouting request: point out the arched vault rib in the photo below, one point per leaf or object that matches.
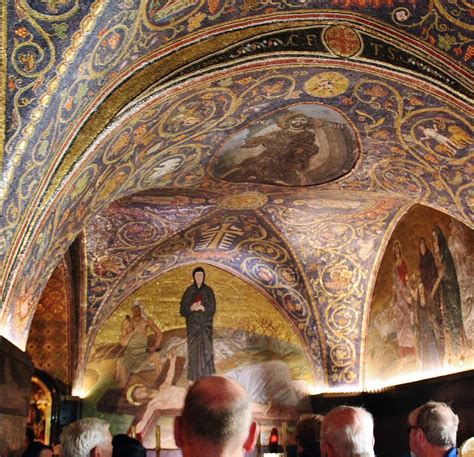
(121, 162)
(125, 84)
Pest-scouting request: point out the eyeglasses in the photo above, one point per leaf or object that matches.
(412, 427)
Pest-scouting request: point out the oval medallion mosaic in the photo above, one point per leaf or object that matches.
(300, 145)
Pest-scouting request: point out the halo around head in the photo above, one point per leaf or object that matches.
(129, 394)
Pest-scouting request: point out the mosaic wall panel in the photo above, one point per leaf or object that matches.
(42, 33)
(40, 37)
(414, 162)
(250, 342)
(422, 320)
(49, 340)
(312, 144)
(119, 236)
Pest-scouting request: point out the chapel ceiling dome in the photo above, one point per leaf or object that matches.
(144, 129)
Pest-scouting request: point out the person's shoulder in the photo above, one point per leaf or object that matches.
(453, 452)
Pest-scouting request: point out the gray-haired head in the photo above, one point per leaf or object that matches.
(438, 422)
(81, 437)
(347, 431)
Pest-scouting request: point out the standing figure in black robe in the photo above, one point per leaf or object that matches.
(198, 306)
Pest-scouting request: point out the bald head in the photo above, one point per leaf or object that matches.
(217, 411)
(347, 431)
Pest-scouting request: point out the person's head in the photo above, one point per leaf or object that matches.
(131, 450)
(432, 426)
(198, 276)
(436, 246)
(347, 431)
(422, 246)
(58, 450)
(397, 250)
(37, 449)
(308, 430)
(29, 436)
(137, 394)
(122, 439)
(47, 451)
(137, 309)
(88, 437)
(126, 446)
(298, 121)
(216, 418)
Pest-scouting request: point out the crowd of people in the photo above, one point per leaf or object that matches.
(216, 421)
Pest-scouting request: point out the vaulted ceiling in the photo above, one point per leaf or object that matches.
(160, 133)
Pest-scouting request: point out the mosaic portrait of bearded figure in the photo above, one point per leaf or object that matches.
(312, 143)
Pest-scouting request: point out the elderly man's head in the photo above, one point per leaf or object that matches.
(347, 431)
(87, 438)
(433, 426)
(216, 419)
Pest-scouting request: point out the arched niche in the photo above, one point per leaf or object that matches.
(253, 343)
(421, 322)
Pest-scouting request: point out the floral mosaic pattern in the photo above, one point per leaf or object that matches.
(49, 341)
(121, 235)
(136, 32)
(338, 241)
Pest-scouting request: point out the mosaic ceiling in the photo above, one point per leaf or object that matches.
(298, 132)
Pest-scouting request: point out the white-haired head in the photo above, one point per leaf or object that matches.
(434, 424)
(80, 438)
(347, 431)
(141, 306)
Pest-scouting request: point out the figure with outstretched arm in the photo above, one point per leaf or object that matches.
(167, 396)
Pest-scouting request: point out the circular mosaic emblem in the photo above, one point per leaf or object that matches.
(401, 14)
(245, 200)
(326, 84)
(342, 41)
